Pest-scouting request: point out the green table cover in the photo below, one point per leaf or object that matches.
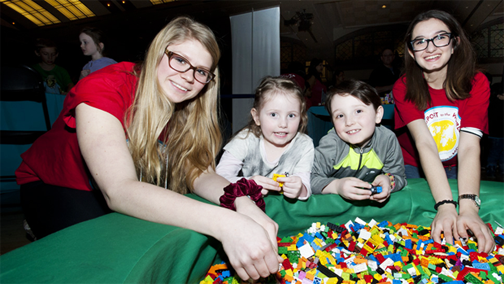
(120, 249)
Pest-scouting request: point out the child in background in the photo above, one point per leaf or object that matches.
(92, 44)
(56, 78)
(273, 142)
(356, 153)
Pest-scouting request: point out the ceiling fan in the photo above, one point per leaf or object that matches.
(303, 21)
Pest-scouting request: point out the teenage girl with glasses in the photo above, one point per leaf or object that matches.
(442, 101)
(103, 152)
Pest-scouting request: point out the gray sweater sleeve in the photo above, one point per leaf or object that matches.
(323, 163)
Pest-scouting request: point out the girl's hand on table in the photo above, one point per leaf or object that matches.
(446, 222)
(267, 184)
(469, 219)
(292, 186)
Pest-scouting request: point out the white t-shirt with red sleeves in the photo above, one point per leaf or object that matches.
(444, 118)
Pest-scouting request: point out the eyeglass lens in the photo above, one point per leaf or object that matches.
(180, 64)
(439, 41)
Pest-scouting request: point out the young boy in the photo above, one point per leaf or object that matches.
(56, 78)
(357, 154)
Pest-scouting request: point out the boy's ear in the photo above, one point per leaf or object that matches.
(379, 114)
(37, 53)
(255, 116)
(101, 45)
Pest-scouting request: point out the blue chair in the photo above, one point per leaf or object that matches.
(21, 126)
(388, 116)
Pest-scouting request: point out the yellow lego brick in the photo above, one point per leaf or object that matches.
(378, 277)
(318, 225)
(377, 239)
(416, 270)
(452, 249)
(289, 272)
(311, 274)
(482, 259)
(332, 281)
(292, 247)
(500, 268)
(207, 279)
(275, 176)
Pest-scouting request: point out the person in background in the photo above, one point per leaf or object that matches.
(134, 138)
(56, 78)
(442, 104)
(495, 156)
(93, 44)
(296, 73)
(386, 74)
(315, 85)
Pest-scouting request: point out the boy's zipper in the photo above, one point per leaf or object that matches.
(360, 161)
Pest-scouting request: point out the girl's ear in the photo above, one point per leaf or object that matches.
(411, 54)
(455, 44)
(255, 116)
(379, 114)
(101, 46)
(36, 53)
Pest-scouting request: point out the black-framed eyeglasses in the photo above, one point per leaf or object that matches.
(438, 41)
(178, 63)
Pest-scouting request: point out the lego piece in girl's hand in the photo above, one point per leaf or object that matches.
(275, 176)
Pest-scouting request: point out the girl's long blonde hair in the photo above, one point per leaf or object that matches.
(190, 129)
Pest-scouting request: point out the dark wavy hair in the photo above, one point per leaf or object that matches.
(98, 36)
(460, 70)
(355, 88)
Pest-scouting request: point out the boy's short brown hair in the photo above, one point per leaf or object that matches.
(358, 89)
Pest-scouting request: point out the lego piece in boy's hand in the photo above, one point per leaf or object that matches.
(275, 176)
(375, 189)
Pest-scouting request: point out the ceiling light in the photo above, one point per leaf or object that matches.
(384, 6)
(32, 11)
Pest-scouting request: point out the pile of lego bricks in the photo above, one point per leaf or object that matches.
(363, 252)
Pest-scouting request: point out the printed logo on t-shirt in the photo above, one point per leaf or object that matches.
(444, 125)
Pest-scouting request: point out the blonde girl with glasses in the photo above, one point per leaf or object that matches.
(107, 139)
(442, 104)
